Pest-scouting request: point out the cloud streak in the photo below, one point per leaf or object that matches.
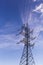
(9, 41)
(39, 9)
(34, 17)
(8, 37)
(7, 32)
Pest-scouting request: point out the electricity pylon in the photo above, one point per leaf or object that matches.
(27, 57)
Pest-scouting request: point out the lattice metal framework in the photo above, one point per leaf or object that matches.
(27, 57)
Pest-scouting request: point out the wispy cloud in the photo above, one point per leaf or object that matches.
(34, 20)
(7, 28)
(39, 8)
(7, 32)
(34, 0)
(9, 41)
(6, 40)
(8, 37)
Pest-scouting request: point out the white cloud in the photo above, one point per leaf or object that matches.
(39, 8)
(6, 40)
(35, 23)
(34, 0)
(8, 28)
(9, 41)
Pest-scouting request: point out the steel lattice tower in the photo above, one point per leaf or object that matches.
(27, 57)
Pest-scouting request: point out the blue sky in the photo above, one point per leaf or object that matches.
(12, 15)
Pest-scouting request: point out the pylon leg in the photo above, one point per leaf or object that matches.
(27, 57)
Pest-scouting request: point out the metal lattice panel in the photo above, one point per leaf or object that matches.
(24, 57)
(27, 57)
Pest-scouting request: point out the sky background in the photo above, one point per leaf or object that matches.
(13, 14)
